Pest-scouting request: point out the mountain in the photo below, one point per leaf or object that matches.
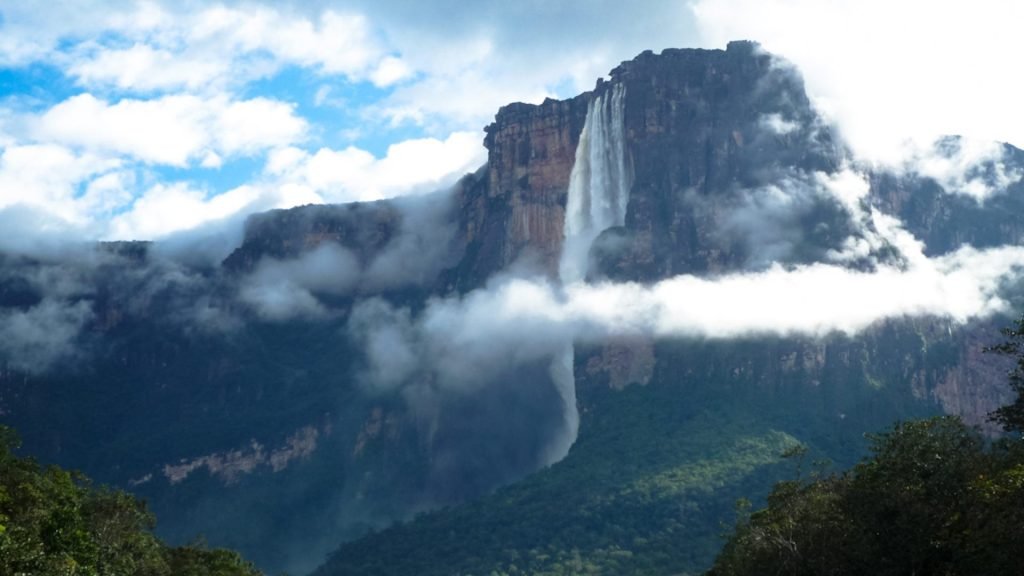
(341, 368)
(674, 432)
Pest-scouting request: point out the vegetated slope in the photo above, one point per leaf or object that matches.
(54, 522)
(933, 498)
(652, 482)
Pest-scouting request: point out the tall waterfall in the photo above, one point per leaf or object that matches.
(599, 187)
(599, 183)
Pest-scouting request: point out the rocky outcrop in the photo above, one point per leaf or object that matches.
(946, 219)
(531, 154)
(364, 228)
(701, 126)
(623, 362)
(513, 209)
(704, 128)
(230, 466)
(975, 385)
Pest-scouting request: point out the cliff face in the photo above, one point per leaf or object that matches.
(704, 128)
(701, 125)
(531, 153)
(945, 219)
(286, 234)
(711, 136)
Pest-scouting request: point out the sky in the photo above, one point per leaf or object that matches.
(140, 120)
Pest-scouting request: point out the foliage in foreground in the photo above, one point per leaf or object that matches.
(1011, 416)
(54, 522)
(931, 499)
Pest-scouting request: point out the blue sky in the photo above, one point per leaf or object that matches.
(141, 120)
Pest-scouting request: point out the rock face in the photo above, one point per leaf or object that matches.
(710, 134)
(700, 126)
(531, 153)
(948, 219)
(285, 234)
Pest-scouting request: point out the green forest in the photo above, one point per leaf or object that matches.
(56, 523)
(933, 497)
(652, 484)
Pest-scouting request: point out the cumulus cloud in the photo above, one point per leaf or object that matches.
(173, 130)
(916, 79)
(166, 209)
(46, 176)
(144, 67)
(353, 174)
(85, 182)
(192, 45)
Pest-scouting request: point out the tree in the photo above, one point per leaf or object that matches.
(931, 499)
(56, 523)
(1011, 416)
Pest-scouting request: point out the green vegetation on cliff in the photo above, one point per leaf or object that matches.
(931, 499)
(1011, 416)
(55, 522)
(652, 480)
(651, 483)
(656, 504)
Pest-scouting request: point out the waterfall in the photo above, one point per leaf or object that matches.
(598, 194)
(598, 184)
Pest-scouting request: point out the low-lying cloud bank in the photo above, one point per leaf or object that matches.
(520, 320)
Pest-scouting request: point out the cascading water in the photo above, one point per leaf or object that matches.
(599, 187)
(599, 183)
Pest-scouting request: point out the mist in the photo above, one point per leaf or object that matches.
(520, 320)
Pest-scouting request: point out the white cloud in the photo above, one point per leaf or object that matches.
(166, 209)
(143, 67)
(777, 124)
(389, 71)
(472, 58)
(172, 130)
(964, 166)
(175, 47)
(523, 320)
(47, 177)
(280, 290)
(891, 71)
(353, 174)
(250, 125)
